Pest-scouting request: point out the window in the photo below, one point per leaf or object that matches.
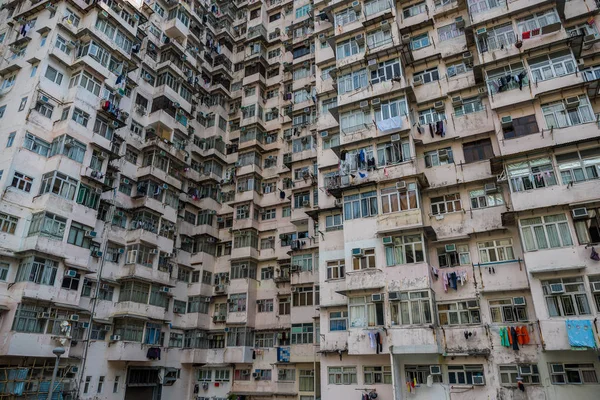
(61, 44)
(198, 304)
(419, 373)
(505, 311)
(450, 32)
(303, 11)
(37, 270)
(335, 269)
(414, 10)
(71, 18)
(77, 235)
(533, 174)
(478, 151)
(264, 340)
(558, 115)
(463, 374)
(566, 297)
(116, 384)
(469, 106)
(328, 104)
(419, 41)
(48, 225)
(59, 184)
(377, 375)
(352, 81)
(439, 157)
(348, 48)
(8, 223)
(587, 228)
(479, 199)
(365, 313)
(37, 145)
(265, 305)
(100, 384)
(360, 205)
(11, 139)
(237, 302)
(345, 17)
(53, 75)
(86, 386)
(302, 334)
(550, 231)
(284, 306)
(81, 117)
(431, 116)
(413, 308)
(510, 375)
(221, 375)
(579, 166)
(453, 258)
(445, 204)
(341, 375)
(338, 321)
(367, 260)
(286, 212)
(23, 104)
(407, 249)
(2, 111)
(427, 76)
(22, 182)
(175, 339)
(269, 214)
(458, 69)
(551, 66)
(393, 200)
(44, 109)
(562, 374)
(26, 319)
(496, 250)
(459, 313)
(88, 82)
(303, 296)
(391, 109)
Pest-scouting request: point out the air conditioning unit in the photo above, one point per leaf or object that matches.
(322, 37)
(387, 240)
(472, 304)
(360, 38)
(450, 248)
(97, 254)
(372, 64)
(467, 55)
(395, 138)
(435, 370)
(74, 317)
(406, 38)
(306, 203)
(338, 202)
(481, 32)
(293, 289)
(490, 188)
(478, 380)
(418, 80)
(376, 101)
(121, 251)
(401, 185)
(591, 39)
(557, 288)
(71, 273)
(457, 101)
(165, 289)
(358, 252)
(364, 104)
(377, 297)
(324, 134)
(219, 288)
(385, 25)
(105, 286)
(439, 105)
(596, 287)
(519, 301)
(90, 234)
(394, 295)
(154, 251)
(107, 328)
(572, 102)
(506, 121)
(356, 5)
(43, 315)
(580, 212)
(460, 22)
(115, 338)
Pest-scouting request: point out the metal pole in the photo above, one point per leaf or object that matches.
(55, 371)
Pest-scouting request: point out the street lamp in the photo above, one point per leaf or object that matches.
(58, 351)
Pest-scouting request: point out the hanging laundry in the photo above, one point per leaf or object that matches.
(504, 337)
(439, 128)
(445, 281)
(515, 339)
(526, 35)
(431, 130)
(372, 339)
(581, 333)
(435, 272)
(525, 334)
(452, 280)
(379, 342)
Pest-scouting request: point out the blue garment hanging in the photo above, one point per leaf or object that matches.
(581, 333)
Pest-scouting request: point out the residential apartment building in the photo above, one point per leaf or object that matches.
(299, 199)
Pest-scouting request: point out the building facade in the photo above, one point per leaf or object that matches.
(299, 200)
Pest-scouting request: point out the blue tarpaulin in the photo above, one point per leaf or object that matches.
(581, 333)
